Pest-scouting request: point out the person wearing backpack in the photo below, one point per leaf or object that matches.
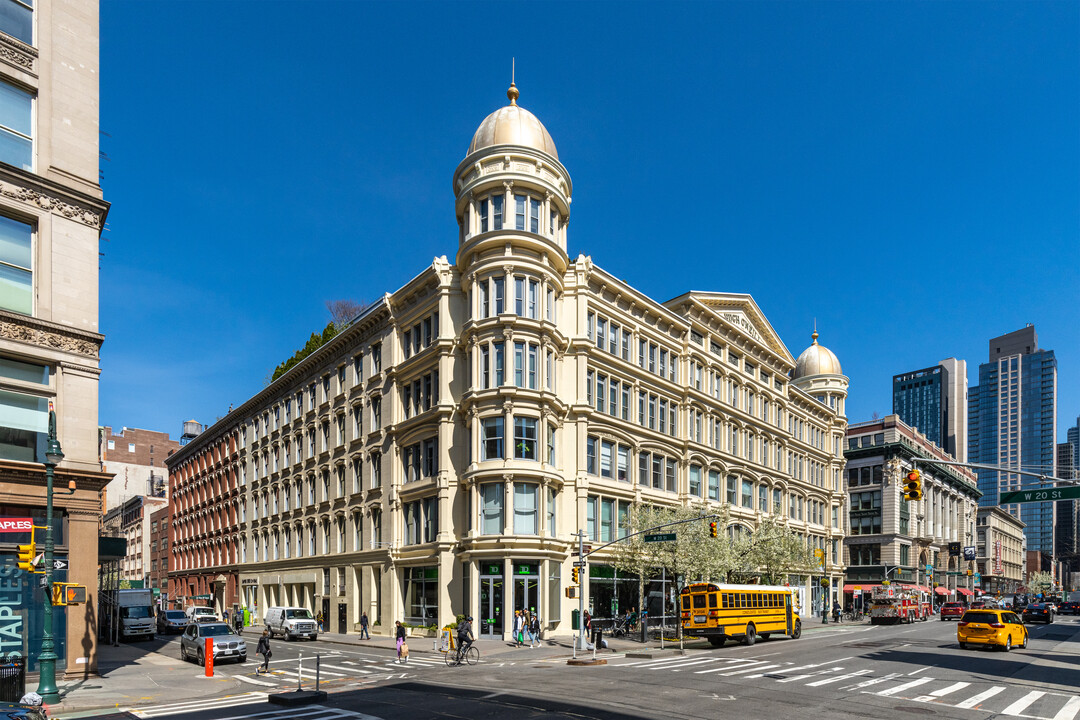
(264, 650)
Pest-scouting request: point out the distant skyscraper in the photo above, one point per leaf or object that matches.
(1012, 422)
(934, 400)
(1066, 539)
(1072, 436)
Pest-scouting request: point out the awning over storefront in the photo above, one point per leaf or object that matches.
(943, 591)
(964, 591)
(865, 587)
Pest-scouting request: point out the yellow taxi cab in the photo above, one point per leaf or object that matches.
(987, 626)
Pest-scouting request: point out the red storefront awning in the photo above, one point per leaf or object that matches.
(942, 591)
(964, 591)
(865, 587)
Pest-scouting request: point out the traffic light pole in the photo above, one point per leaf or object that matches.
(581, 593)
(47, 659)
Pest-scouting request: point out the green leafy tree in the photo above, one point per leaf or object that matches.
(1040, 582)
(773, 551)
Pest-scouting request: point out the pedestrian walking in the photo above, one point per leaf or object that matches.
(519, 628)
(319, 620)
(364, 627)
(534, 631)
(238, 621)
(264, 650)
(402, 647)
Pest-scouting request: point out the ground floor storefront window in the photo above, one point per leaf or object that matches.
(421, 595)
(22, 621)
(612, 592)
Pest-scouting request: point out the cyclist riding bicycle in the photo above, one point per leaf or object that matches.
(464, 635)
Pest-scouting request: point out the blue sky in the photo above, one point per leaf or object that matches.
(906, 173)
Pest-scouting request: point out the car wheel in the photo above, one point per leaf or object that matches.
(242, 659)
(201, 659)
(314, 638)
(1008, 644)
(183, 652)
(1024, 645)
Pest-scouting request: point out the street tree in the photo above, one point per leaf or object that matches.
(1040, 582)
(773, 551)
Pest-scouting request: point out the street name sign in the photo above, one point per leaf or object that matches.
(661, 537)
(1023, 496)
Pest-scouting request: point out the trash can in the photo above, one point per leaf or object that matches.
(12, 679)
(598, 636)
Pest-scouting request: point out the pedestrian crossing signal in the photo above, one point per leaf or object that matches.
(913, 486)
(68, 594)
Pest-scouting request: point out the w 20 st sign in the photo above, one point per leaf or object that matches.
(1049, 494)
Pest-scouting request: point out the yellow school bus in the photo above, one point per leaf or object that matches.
(741, 612)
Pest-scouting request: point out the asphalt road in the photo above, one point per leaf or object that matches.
(831, 672)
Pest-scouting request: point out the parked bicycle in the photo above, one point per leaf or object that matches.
(456, 657)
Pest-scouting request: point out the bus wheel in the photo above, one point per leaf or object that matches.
(797, 632)
(751, 635)
(717, 641)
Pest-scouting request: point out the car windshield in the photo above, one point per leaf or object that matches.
(175, 615)
(298, 614)
(979, 617)
(214, 630)
(140, 611)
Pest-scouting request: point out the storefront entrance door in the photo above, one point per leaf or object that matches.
(526, 587)
(491, 606)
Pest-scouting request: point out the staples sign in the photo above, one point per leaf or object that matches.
(16, 525)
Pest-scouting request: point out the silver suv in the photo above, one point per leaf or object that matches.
(227, 644)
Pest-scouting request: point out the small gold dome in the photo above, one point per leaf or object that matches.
(513, 125)
(816, 360)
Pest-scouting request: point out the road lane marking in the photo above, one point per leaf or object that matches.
(800, 667)
(826, 681)
(874, 681)
(757, 663)
(985, 695)
(904, 686)
(745, 670)
(1068, 712)
(796, 678)
(685, 664)
(1021, 705)
(942, 692)
(916, 672)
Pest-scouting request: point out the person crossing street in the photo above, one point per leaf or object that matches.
(264, 649)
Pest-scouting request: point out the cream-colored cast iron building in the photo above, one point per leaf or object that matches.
(437, 456)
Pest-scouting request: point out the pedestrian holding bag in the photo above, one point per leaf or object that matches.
(404, 650)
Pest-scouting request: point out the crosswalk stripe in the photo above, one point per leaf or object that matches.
(904, 686)
(746, 670)
(826, 681)
(253, 681)
(942, 692)
(307, 674)
(1022, 704)
(875, 681)
(757, 663)
(793, 669)
(343, 669)
(177, 708)
(984, 695)
(685, 663)
(1068, 712)
(797, 678)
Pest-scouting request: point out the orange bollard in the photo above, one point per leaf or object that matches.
(209, 655)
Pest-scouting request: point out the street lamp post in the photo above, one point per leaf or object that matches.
(47, 659)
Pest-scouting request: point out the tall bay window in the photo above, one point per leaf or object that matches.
(16, 264)
(491, 508)
(491, 213)
(526, 507)
(525, 438)
(491, 446)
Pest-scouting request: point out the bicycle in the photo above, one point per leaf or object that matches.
(848, 616)
(455, 657)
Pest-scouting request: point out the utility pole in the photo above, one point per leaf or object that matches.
(581, 589)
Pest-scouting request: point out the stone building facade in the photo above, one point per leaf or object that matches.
(51, 217)
(1000, 538)
(131, 520)
(438, 455)
(158, 574)
(889, 537)
(136, 459)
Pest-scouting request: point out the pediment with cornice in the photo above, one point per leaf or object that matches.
(742, 313)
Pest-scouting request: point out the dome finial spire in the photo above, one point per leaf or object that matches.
(512, 93)
(814, 336)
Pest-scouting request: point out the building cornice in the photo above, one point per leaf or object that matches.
(43, 333)
(51, 196)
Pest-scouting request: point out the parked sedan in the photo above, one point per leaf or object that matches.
(227, 644)
(1000, 628)
(171, 621)
(1069, 608)
(952, 610)
(1043, 612)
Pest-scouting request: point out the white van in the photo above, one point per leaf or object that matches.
(292, 622)
(197, 612)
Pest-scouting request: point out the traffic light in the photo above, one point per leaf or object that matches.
(913, 486)
(68, 594)
(575, 575)
(28, 557)
(969, 572)
(712, 529)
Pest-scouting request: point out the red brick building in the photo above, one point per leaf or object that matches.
(136, 458)
(160, 547)
(205, 525)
